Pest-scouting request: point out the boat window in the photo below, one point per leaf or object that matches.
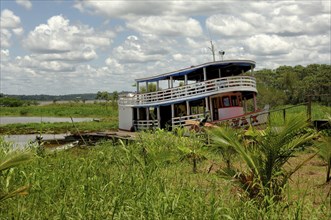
(234, 101)
(226, 101)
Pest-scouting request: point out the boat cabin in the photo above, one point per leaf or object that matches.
(218, 89)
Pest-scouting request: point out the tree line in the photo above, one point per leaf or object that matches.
(293, 85)
(27, 100)
(282, 86)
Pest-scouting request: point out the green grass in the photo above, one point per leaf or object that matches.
(106, 113)
(63, 110)
(317, 112)
(59, 127)
(112, 182)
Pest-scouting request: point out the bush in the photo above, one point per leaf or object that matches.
(11, 102)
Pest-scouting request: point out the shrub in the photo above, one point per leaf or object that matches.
(264, 152)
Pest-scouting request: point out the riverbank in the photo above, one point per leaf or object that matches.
(92, 110)
(106, 113)
(5, 120)
(59, 127)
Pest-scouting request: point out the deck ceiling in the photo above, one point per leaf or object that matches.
(195, 73)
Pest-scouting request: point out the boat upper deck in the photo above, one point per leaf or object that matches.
(191, 91)
(197, 82)
(213, 70)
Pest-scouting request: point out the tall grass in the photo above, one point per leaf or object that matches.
(59, 127)
(317, 112)
(107, 113)
(144, 180)
(64, 110)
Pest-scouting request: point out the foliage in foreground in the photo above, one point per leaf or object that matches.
(8, 160)
(144, 180)
(265, 153)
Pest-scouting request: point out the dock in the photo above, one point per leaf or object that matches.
(91, 138)
(94, 137)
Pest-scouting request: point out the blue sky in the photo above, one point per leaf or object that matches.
(66, 47)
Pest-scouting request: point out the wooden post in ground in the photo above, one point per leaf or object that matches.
(78, 131)
(309, 108)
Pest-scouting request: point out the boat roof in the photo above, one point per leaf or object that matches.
(227, 67)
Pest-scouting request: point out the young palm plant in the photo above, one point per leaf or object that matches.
(219, 146)
(9, 160)
(191, 149)
(264, 154)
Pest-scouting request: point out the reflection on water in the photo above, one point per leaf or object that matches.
(20, 141)
(12, 120)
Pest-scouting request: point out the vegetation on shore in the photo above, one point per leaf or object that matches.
(291, 85)
(73, 109)
(107, 117)
(282, 172)
(104, 113)
(149, 179)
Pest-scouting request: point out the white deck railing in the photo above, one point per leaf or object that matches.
(177, 121)
(234, 83)
(145, 124)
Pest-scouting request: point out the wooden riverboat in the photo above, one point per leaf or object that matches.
(215, 91)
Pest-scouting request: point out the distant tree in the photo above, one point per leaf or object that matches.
(151, 88)
(292, 85)
(104, 95)
(11, 102)
(115, 96)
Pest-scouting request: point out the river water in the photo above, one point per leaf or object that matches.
(4, 120)
(20, 141)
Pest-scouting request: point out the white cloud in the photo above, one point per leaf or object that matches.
(115, 66)
(5, 38)
(25, 3)
(122, 9)
(59, 40)
(41, 66)
(230, 26)
(9, 20)
(10, 23)
(4, 55)
(326, 6)
(134, 50)
(267, 45)
(166, 26)
(144, 38)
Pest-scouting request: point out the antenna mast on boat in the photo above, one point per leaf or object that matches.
(212, 48)
(220, 53)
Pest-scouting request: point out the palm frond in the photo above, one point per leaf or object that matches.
(14, 159)
(20, 191)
